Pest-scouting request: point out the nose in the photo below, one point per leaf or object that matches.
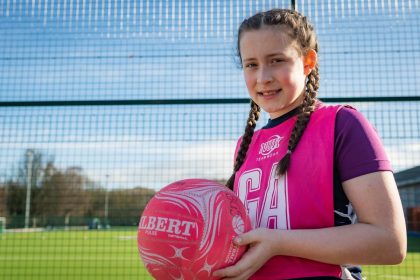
(264, 75)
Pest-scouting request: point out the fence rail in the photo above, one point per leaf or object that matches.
(190, 101)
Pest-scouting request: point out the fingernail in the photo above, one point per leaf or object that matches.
(237, 240)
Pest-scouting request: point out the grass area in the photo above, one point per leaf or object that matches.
(408, 270)
(64, 255)
(113, 254)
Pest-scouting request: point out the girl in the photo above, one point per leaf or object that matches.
(302, 175)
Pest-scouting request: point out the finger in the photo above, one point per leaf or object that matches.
(246, 274)
(241, 267)
(245, 238)
(230, 271)
(226, 272)
(243, 276)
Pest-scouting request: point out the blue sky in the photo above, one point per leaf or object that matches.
(107, 50)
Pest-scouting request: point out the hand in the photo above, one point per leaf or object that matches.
(260, 250)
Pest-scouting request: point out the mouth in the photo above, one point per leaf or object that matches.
(268, 93)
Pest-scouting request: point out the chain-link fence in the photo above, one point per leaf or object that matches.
(102, 103)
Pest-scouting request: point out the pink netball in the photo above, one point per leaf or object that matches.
(187, 228)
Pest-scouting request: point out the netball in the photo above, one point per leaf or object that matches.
(238, 224)
(187, 228)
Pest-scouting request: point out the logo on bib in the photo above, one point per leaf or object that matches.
(269, 146)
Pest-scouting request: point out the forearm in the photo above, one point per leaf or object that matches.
(351, 244)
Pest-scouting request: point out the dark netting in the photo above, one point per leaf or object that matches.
(102, 103)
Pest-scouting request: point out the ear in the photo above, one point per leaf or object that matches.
(309, 61)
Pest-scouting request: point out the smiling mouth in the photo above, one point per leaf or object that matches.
(268, 92)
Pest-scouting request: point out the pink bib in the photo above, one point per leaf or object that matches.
(302, 199)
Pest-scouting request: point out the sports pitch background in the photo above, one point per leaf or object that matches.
(112, 254)
(104, 102)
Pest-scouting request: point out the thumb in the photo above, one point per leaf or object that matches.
(245, 238)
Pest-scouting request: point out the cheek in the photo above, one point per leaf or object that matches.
(294, 81)
(249, 81)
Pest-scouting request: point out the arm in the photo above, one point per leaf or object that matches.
(378, 238)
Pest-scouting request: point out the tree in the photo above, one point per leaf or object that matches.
(31, 165)
(62, 195)
(126, 205)
(3, 201)
(15, 203)
(37, 168)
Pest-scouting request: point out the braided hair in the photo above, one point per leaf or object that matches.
(300, 30)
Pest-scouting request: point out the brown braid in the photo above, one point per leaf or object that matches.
(300, 30)
(306, 109)
(254, 114)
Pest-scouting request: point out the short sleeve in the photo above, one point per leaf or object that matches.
(358, 149)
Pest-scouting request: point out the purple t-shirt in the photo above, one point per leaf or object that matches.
(357, 151)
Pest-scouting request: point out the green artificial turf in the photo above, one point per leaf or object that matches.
(112, 254)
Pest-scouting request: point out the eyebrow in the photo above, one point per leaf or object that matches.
(268, 56)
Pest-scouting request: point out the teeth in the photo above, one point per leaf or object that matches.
(267, 93)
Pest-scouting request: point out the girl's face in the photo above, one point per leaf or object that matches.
(274, 70)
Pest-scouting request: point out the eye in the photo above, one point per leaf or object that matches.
(277, 60)
(250, 65)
